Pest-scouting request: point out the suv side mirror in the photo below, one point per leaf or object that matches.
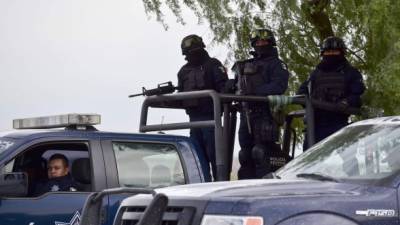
(13, 184)
(92, 211)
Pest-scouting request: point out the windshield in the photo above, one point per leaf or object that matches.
(364, 152)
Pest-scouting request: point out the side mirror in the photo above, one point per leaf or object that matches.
(13, 184)
(93, 213)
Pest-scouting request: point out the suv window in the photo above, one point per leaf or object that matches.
(148, 164)
(34, 162)
(5, 144)
(8, 168)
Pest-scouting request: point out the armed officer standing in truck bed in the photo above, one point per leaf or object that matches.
(334, 80)
(201, 72)
(263, 75)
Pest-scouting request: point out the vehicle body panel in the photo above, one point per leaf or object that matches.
(64, 207)
(351, 177)
(280, 200)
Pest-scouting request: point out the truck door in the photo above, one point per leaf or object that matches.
(51, 207)
(140, 164)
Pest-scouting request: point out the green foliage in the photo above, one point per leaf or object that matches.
(371, 30)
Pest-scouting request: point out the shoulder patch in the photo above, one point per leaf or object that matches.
(55, 188)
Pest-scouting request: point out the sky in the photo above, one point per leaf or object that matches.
(87, 56)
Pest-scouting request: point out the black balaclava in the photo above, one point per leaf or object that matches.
(196, 58)
(331, 62)
(265, 51)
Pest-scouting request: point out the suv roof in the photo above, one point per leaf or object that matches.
(38, 133)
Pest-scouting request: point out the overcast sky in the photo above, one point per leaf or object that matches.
(61, 56)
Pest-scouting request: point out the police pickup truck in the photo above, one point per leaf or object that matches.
(97, 160)
(350, 178)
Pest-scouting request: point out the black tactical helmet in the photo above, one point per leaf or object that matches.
(333, 43)
(262, 34)
(191, 43)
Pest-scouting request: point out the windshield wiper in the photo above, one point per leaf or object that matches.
(317, 176)
(271, 175)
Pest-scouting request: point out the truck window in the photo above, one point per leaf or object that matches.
(148, 164)
(8, 168)
(35, 162)
(5, 144)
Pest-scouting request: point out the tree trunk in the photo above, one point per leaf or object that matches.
(317, 16)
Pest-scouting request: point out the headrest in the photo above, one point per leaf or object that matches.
(160, 175)
(81, 170)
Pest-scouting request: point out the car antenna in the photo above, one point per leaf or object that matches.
(162, 122)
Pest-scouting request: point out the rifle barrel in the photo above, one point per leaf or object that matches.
(135, 95)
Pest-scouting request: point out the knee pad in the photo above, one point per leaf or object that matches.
(259, 154)
(245, 157)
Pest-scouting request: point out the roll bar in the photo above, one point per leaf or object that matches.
(224, 128)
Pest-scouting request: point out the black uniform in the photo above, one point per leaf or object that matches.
(201, 73)
(263, 75)
(334, 80)
(65, 183)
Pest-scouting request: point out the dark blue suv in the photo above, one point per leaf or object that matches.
(350, 178)
(97, 160)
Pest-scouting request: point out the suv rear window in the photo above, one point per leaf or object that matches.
(148, 165)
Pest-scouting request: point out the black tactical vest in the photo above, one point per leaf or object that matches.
(194, 79)
(329, 86)
(252, 76)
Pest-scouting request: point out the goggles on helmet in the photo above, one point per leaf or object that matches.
(191, 43)
(333, 43)
(262, 34)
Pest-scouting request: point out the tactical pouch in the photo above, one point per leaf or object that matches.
(265, 130)
(277, 158)
(329, 86)
(249, 69)
(192, 81)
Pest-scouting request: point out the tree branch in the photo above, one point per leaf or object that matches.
(317, 16)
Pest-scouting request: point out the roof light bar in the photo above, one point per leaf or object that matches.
(57, 121)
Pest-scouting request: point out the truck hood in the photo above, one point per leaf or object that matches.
(260, 188)
(277, 200)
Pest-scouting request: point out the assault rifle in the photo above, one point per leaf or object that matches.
(163, 88)
(242, 88)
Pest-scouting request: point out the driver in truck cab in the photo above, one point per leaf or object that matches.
(58, 175)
